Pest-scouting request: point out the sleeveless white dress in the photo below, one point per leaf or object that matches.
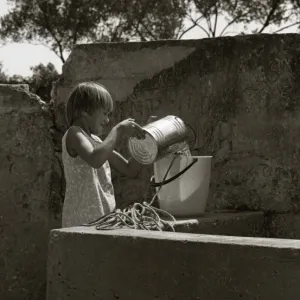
(89, 191)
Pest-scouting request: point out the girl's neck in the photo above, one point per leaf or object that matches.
(83, 125)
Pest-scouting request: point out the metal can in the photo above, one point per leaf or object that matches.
(163, 137)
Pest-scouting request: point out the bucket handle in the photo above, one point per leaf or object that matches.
(158, 184)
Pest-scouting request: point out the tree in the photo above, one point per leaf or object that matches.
(3, 76)
(59, 24)
(6, 79)
(148, 19)
(206, 14)
(41, 80)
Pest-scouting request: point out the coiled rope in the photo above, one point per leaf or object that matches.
(141, 216)
(137, 216)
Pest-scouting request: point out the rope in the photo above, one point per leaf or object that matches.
(141, 216)
(136, 216)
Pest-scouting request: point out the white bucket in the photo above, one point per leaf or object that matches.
(187, 195)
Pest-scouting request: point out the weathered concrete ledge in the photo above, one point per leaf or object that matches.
(249, 224)
(282, 226)
(88, 264)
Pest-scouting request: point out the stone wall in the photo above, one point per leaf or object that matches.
(241, 94)
(30, 202)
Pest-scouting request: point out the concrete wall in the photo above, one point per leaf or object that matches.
(132, 265)
(29, 193)
(240, 93)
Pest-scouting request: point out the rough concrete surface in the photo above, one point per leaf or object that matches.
(88, 264)
(241, 94)
(249, 224)
(284, 226)
(27, 167)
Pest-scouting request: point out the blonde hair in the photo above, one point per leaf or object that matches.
(87, 96)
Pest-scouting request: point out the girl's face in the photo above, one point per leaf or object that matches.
(97, 120)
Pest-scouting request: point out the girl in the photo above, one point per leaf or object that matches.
(86, 159)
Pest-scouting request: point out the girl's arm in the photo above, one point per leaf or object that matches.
(78, 143)
(126, 167)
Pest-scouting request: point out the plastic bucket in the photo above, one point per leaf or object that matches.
(186, 196)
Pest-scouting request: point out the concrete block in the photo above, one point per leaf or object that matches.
(132, 265)
(27, 194)
(282, 226)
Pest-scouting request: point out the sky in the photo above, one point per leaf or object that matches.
(17, 58)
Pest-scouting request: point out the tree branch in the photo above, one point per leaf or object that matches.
(201, 27)
(208, 21)
(216, 20)
(191, 27)
(61, 51)
(47, 46)
(115, 32)
(232, 22)
(75, 34)
(140, 22)
(137, 30)
(48, 27)
(286, 27)
(148, 30)
(270, 15)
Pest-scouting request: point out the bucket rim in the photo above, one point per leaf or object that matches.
(191, 156)
(197, 156)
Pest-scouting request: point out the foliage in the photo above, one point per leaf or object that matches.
(148, 19)
(261, 13)
(40, 82)
(60, 24)
(2, 74)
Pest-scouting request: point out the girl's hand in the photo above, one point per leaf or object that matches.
(151, 119)
(128, 127)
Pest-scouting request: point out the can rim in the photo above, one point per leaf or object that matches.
(151, 158)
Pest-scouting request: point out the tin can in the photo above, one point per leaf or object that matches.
(163, 137)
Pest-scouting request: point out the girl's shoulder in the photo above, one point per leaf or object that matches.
(73, 136)
(74, 131)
